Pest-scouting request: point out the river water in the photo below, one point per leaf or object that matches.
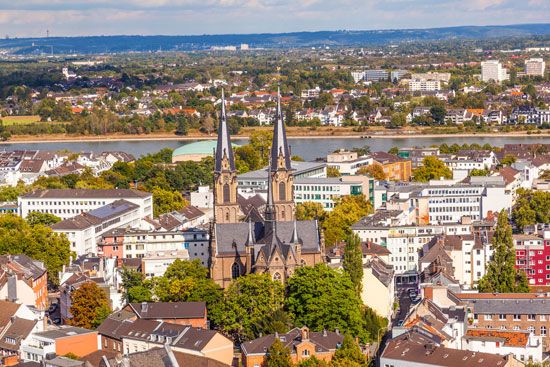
(307, 148)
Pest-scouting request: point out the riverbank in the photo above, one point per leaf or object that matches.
(292, 132)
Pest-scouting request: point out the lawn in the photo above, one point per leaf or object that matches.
(21, 120)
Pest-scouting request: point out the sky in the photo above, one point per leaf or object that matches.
(32, 18)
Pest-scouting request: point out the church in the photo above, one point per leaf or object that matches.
(275, 243)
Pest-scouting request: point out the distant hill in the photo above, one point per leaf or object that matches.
(114, 44)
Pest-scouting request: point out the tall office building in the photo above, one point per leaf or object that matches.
(535, 67)
(493, 70)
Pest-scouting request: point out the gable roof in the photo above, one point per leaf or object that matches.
(169, 310)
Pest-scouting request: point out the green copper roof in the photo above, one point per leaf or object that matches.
(198, 147)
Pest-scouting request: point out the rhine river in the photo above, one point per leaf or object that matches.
(307, 148)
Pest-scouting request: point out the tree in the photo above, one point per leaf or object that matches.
(278, 355)
(531, 208)
(278, 321)
(353, 261)
(38, 242)
(438, 114)
(479, 172)
(182, 127)
(46, 219)
(313, 362)
(324, 298)
(374, 170)
(134, 290)
(348, 210)
(394, 150)
(349, 353)
(333, 172)
(432, 169)
(501, 275)
(398, 120)
(247, 301)
(89, 306)
(310, 210)
(508, 160)
(165, 201)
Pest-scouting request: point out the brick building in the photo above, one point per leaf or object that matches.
(395, 168)
(302, 344)
(510, 311)
(276, 243)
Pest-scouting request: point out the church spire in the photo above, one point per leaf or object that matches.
(223, 148)
(295, 238)
(270, 214)
(279, 145)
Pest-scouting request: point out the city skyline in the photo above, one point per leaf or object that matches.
(33, 18)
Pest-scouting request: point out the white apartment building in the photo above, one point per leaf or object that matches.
(84, 231)
(492, 70)
(442, 77)
(155, 264)
(348, 163)
(535, 67)
(524, 345)
(196, 242)
(424, 85)
(67, 203)
(325, 190)
(314, 93)
(203, 197)
(358, 76)
(404, 242)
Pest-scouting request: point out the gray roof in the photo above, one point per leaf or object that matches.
(325, 180)
(280, 144)
(223, 147)
(63, 332)
(233, 237)
(96, 216)
(539, 306)
(85, 194)
(298, 167)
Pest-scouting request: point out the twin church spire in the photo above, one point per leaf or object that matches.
(280, 206)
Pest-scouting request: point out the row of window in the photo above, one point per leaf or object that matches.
(50, 203)
(515, 317)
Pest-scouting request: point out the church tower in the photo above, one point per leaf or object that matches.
(226, 209)
(280, 170)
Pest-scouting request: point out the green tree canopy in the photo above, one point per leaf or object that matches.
(348, 210)
(310, 210)
(38, 242)
(323, 298)
(375, 170)
(501, 275)
(432, 169)
(278, 355)
(166, 201)
(47, 219)
(353, 261)
(532, 206)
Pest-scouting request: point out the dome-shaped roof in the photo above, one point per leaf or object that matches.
(198, 147)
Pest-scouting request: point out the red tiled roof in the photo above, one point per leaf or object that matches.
(510, 338)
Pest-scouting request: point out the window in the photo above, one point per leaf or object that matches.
(488, 317)
(517, 317)
(277, 276)
(502, 317)
(235, 270)
(532, 317)
(531, 329)
(305, 353)
(543, 331)
(226, 193)
(282, 191)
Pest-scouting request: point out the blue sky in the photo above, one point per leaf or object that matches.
(31, 18)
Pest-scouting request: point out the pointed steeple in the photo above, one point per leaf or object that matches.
(251, 238)
(270, 214)
(295, 238)
(223, 148)
(280, 144)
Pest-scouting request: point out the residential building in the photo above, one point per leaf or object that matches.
(24, 280)
(302, 344)
(181, 313)
(533, 257)
(196, 242)
(84, 231)
(346, 162)
(417, 155)
(66, 203)
(535, 67)
(395, 168)
(492, 70)
(376, 75)
(60, 341)
(313, 93)
(441, 77)
(529, 115)
(524, 346)
(421, 350)
(424, 85)
(358, 76)
(203, 197)
(155, 264)
(509, 312)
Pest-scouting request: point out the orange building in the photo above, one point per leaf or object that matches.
(395, 168)
(302, 344)
(28, 279)
(61, 341)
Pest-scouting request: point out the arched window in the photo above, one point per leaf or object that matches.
(226, 193)
(277, 276)
(282, 191)
(227, 217)
(235, 271)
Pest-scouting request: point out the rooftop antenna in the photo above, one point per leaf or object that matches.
(47, 33)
